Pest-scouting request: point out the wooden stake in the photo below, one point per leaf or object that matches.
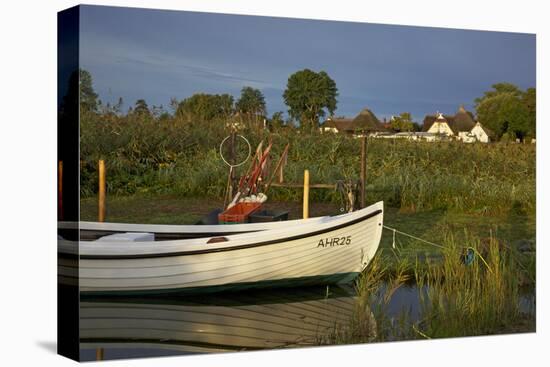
(283, 164)
(306, 194)
(363, 170)
(233, 156)
(101, 204)
(60, 190)
(99, 354)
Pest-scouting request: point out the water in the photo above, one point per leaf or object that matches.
(137, 327)
(163, 326)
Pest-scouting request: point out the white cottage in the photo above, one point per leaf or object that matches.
(481, 133)
(441, 126)
(449, 125)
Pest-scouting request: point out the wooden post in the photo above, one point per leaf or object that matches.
(233, 157)
(99, 354)
(101, 204)
(281, 168)
(363, 170)
(60, 190)
(306, 194)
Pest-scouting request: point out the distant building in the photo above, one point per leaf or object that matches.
(410, 135)
(452, 126)
(441, 126)
(365, 123)
(462, 126)
(482, 134)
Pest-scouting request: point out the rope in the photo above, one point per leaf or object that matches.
(434, 244)
(411, 236)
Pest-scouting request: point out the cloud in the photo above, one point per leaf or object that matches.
(128, 56)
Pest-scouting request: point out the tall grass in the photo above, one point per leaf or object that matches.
(455, 299)
(178, 158)
(477, 299)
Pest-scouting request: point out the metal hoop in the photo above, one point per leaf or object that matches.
(243, 162)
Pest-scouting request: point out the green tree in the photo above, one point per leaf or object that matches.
(507, 109)
(403, 122)
(276, 121)
(251, 102)
(500, 88)
(224, 105)
(516, 117)
(88, 97)
(308, 94)
(205, 107)
(530, 101)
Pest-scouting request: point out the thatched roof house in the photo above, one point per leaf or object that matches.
(365, 122)
(462, 121)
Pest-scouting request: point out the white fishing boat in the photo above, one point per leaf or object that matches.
(324, 251)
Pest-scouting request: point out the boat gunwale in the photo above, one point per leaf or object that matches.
(229, 248)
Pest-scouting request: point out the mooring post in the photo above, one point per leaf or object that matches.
(60, 190)
(99, 354)
(101, 196)
(363, 170)
(306, 194)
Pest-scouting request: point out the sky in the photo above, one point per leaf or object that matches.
(158, 55)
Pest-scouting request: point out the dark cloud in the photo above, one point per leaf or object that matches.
(155, 55)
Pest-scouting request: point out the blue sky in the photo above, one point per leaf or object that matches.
(156, 55)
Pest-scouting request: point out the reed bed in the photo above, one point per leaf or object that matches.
(477, 299)
(455, 297)
(170, 157)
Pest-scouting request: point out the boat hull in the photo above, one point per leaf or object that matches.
(335, 252)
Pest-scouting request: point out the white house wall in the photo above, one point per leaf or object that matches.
(480, 134)
(441, 128)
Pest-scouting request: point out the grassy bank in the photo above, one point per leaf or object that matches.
(182, 160)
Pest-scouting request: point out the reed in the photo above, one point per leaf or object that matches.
(477, 299)
(178, 158)
(455, 298)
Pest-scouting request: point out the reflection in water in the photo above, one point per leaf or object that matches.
(136, 327)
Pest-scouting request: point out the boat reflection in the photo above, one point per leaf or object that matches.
(272, 318)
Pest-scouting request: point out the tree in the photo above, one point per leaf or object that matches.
(508, 110)
(403, 122)
(529, 99)
(224, 104)
(251, 102)
(141, 109)
(205, 107)
(276, 121)
(88, 97)
(308, 94)
(500, 88)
